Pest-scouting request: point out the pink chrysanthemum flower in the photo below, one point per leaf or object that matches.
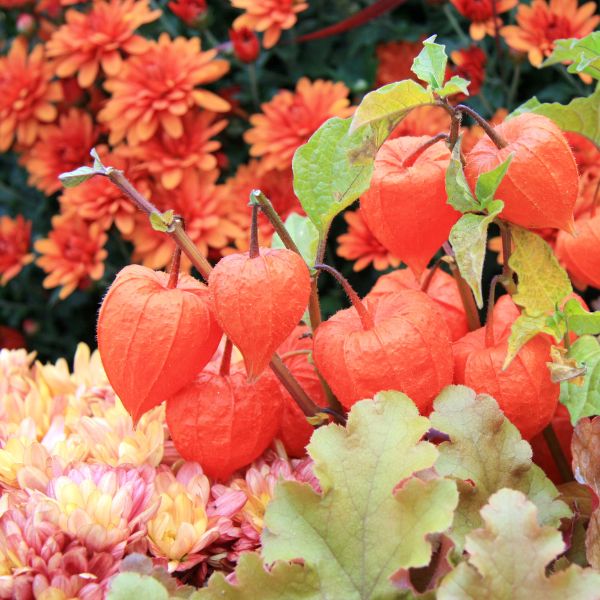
(104, 508)
(185, 524)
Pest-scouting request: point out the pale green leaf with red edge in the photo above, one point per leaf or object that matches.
(583, 400)
(254, 581)
(363, 527)
(509, 555)
(485, 454)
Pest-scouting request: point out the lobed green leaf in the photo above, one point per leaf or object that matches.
(583, 54)
(430, 64)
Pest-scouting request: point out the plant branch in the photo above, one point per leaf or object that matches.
(508, 279)
(226, 358)
(498, 140)
(489, 320)
(410, 160)
(557, 453)
(174, 269)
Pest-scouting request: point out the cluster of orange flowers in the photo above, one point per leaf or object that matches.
(151, 110)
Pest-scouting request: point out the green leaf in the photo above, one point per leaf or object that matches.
(581, 115)
(543, 283)
(162, 221)
(583, 54)
(382, 109)
(77, 177)
(430, 64)
(488, 182)
(509, 556)
(98, 166)
(304, 234)
(583, 400)
(254, 582)
(458, 191)
(525, 328)
(579, 320)
(358, 532)
(468, 237)
(455, 85)
(486, 453)
(325, 180)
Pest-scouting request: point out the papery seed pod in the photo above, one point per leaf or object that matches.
(540, 187)
(154, 339)
(224, 422)
(407, 348)
(524, 390)
(258, 301)
(405, 207)
(295, 430)
(580, 254)
(442, 289)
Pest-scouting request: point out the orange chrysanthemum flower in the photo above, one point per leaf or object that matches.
(205, 216)
(8, 4)
(72, 254)
(481, 14)
(89, 40)
(62, 147)
(15, 238)
(540, 24)
(155, 89)
(290, 118)
(359, 244)
(276, 185)
(166, 158)
(27, 94)
(101, 202)
(268, 16)
(395, 61)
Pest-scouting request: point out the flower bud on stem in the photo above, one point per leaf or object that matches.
(365, 318)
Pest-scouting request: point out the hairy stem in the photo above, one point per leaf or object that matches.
(174, 269)
(365, 318)
(226, 358)
(254, 251)
(557, 453)
(498, 140)
(429, 278)
(410, 160)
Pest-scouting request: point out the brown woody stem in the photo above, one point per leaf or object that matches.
(184, 241)
(489, 320)
(410, 160)
(429, 278)
(508, 279)
(254, 251)
(365, 318)
(557, 454)
(466, 295)
(498, 140)
(454, 128)
(174, 269)
(226, 358)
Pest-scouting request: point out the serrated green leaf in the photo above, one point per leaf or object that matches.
(525, 328)
(126, 586)
(458, 191)
(77, 177)
(468, 237)
(382, 109)
(162, 222)
(304, 234)
(486, 453)
(254, 582)
(325, 180)
(583, 54)
(488, 182)
(543, 283)
(455, 85)
(581, 115)
(579, 320)
(430, 64)
(509, 556)
(583, 400)
(357, 533)
(98, 166)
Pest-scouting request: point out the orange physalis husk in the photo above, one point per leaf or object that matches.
(442, 289)
(295, 430)
(258, 301)
(224, 421)
(581, 254)
(153, 339)
(524, 391)
(408, 349)
(541, 185)
(405, 207)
